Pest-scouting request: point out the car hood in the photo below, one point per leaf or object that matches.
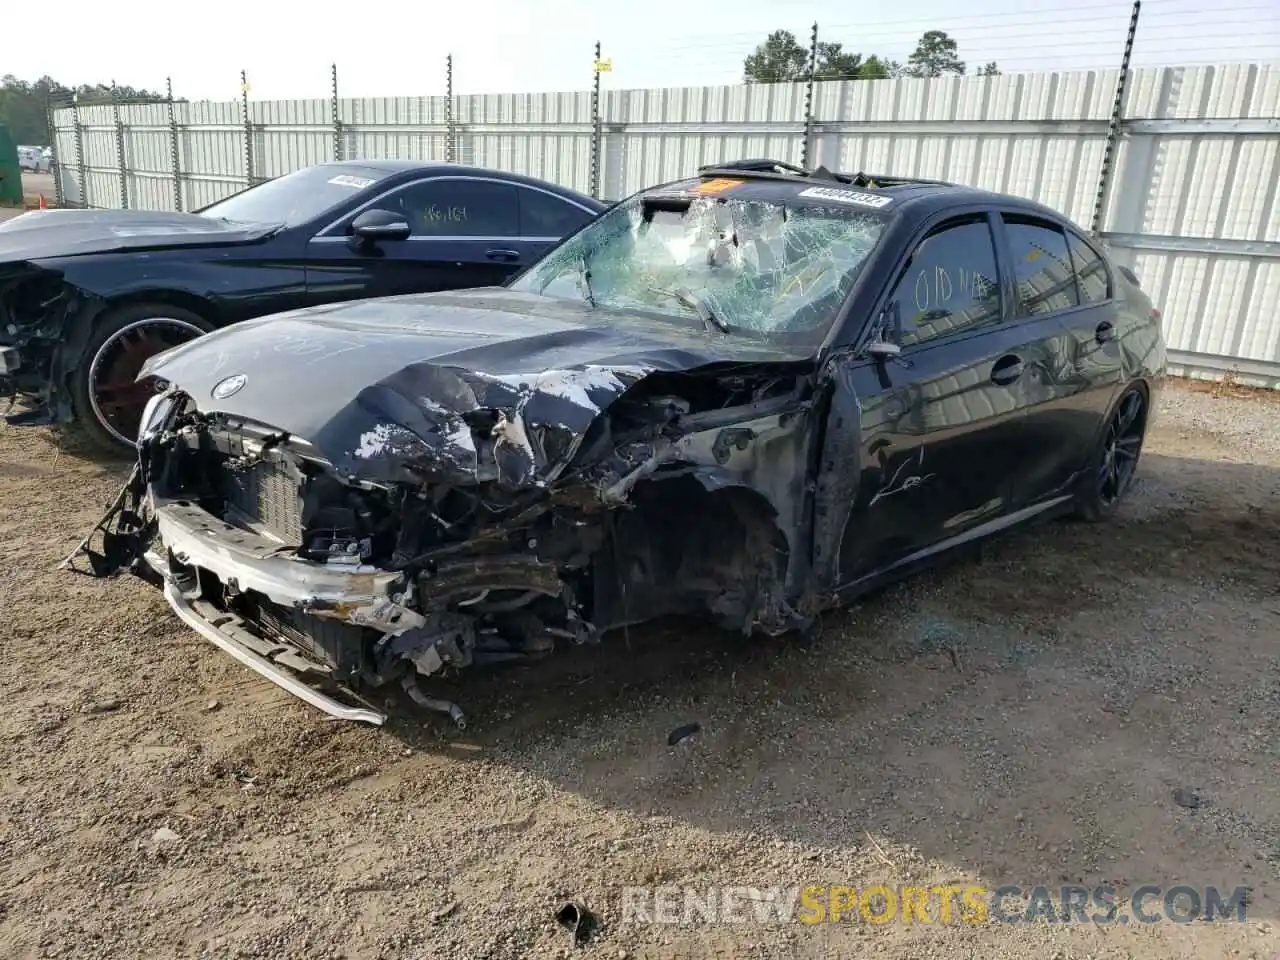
(43, 234)
(441, 382)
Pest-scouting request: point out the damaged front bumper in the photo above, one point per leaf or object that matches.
(230, 634)
(243, 561)
(190, 544)
(189, 553)
(204, 564)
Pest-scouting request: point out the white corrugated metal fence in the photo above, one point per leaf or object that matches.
(1192, 205)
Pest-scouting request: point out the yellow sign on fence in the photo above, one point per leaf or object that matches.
(604, 66)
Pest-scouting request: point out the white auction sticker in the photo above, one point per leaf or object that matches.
(348, 181)
(847, 196)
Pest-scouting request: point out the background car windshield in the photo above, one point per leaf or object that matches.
(761, 268)
(296, 197)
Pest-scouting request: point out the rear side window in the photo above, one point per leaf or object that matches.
(1092, 277)
(544, 215)
(950, 285)
(1042, 268)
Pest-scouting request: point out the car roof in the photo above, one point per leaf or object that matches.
(773, 180)
(392, 167)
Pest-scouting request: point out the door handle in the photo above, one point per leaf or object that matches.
(1007, 369)
(504, 255)
(1104, 332)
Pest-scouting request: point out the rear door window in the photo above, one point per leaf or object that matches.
(951, 284)
(1042, 269)
(544, 216)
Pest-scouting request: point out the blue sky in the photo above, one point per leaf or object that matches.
(398, 48)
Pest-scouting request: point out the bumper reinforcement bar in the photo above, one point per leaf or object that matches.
(264, 668)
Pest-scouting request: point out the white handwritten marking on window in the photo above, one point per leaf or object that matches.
(937, 286)
(435, 214)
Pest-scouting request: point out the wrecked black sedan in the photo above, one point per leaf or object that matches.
(87, 296)
(749, 396)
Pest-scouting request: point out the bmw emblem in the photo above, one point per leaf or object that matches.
(228, 387)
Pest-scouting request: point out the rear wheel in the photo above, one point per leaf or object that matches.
(106, 397)
(1114, 464)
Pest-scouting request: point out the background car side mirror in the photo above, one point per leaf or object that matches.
(374, 225)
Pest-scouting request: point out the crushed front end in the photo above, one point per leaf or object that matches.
(334, 576)
(37, 309)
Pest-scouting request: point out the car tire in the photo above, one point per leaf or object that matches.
(105, 402)
(1114, 462)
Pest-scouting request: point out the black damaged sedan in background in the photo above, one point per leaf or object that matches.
(750, 395)
(87, 296)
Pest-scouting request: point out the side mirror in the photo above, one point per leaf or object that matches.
(883, 350)
(374, 225)
(889, 324)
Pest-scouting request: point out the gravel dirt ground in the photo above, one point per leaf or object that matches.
(33, 185)
(1094, 704)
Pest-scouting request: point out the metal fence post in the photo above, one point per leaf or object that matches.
(596, 132)
(450, 131)
(173, 145)
(337, 121)
(55, 166)
(248, 128)
(79, 142)
(805, 148)
(124, 173)
(1113, 128)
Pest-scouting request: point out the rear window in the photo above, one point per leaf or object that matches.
(769, 269)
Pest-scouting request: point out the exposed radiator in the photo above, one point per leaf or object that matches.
(337, 646)
(267, 494)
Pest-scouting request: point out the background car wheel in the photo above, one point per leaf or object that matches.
(106, 400)
(1114, 465)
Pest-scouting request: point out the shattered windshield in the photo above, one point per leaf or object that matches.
(763, 268)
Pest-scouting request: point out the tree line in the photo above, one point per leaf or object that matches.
(781, 58)
(24, 106)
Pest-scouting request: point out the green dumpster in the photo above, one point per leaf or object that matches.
(10, 172)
